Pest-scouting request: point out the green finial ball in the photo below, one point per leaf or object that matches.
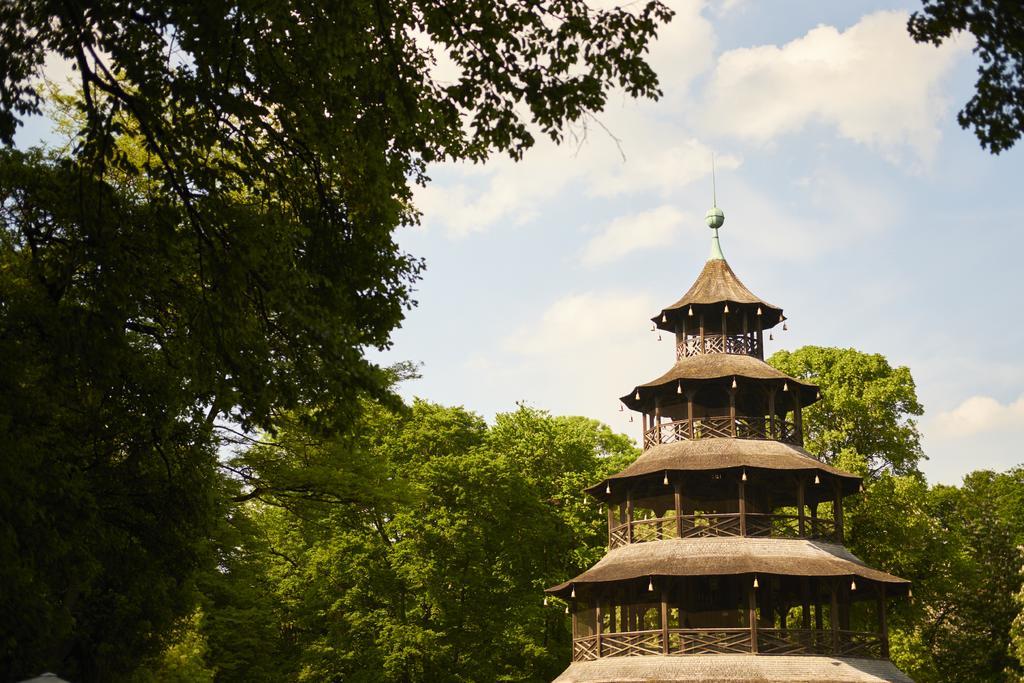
(714, 218)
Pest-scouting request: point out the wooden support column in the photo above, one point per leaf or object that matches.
(629, 514)
(833, 617)
(743, 506)
(597, 629)
(837, 510)
(679, 509)
(657, 419)
(702, 349)
(752, 615)
(611, 523)
(798, 420)
(801, 485)
(805, 603)
(814, 518)
(690, 395)
(760, 337)
(664, 618)
(771, 412)
(725, 325)
(732, 411)
(818, 617)
(882, 624)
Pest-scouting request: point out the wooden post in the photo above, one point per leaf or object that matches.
(800, 491)
(834, 618)
(598, 629)
(805, 603)
(752, 615)
(702, 349)
(798, 421)
(679, 509)
(883, 625)
(657, 419)
(814, 519)
(743, 507)
(771, 412)
(760, 338)
(732, 411)
(818, 620)
(611, 523)
(664, 620)
(629, 514)
(837, 510)
(724, 327)
(690, 394)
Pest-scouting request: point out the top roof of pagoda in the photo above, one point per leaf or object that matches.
(717, 284)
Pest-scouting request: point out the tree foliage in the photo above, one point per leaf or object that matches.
(996, 110)
(864, 421)
(440, 577)
(214, 250)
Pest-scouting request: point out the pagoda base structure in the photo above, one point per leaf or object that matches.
(732, 669)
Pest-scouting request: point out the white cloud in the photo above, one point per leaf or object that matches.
(978, 415)
(872, 82)
(647, 230)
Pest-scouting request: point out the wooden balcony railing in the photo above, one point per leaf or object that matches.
(724, 524)
(693, 641)
(725, 427)
(745, 345)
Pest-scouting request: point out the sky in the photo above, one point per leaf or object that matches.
(852, 198)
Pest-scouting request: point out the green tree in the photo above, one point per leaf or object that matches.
(864, 421)
(996, 111)
(215, 248)
(440, 578)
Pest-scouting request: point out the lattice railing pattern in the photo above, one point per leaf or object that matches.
(744, 345)
(694, 641)
(721, 524)
(722, 427)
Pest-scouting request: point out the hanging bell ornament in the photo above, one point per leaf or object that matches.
(785, 327)
(733, 382)
(664, 318)
(637, 397)
(744, 477)
(665, 480)
(573, 593)
(679, 388)
(620, 408)
(727, 308)
(785, 386)
(691, 312)
(853, 584)
(759, 310)
(659, 336)
(653, 327)
(817, 479)
(650, 585)
(755, 582)
(567, 609)
(608, 489)
(630, 418)
(818, 395)
(771, 337)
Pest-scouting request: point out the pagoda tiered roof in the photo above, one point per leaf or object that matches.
(717, 284)
(718, 366)
(723, 556)
(724, 454)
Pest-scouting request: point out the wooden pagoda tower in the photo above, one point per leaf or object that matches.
(725, 537)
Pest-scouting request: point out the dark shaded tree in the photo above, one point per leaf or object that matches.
(996, 111)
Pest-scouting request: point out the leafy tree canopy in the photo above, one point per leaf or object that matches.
(996, 111)
(864, 421)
